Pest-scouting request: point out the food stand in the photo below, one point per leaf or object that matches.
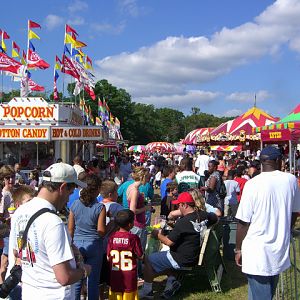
(35, 132)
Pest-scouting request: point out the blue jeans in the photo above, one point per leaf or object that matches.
(261, 287)
(92, 252)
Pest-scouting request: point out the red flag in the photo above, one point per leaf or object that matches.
(89, 60)
(70, 29)
(90, 91)
(15, 46)
(34, 25)
(68, 67)
(57, 59)
(5, 35)
(34, 61)
(9, 64)
(33, 86)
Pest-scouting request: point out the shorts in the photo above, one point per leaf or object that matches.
(162, 261)
(5, 247)
(105, 271)
(123, 296)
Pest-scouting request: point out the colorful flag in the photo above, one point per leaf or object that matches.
(32, 24)
(68, 67)
(98, 121)
(33, 86)
(1, 49)
(32, 35)
(66, 49)
(90, 91)
(25, 84)
(34, 61)
(91, 118)
(4, 35)
(117, 123)
(89, 60)
(9, 64)
(55, 92)
(78, 87)
(31, 46)
(15, 46)
(23, 59)
(15, 51)
(81, 104)
(57, 63)
(70, 29)
(3, 46)
(74, 52)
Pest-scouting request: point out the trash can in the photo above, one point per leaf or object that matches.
(229, 237)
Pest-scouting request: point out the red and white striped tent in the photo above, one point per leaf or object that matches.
(161, 147)
(197, 136)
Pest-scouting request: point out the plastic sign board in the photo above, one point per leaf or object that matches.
(18, 134)
(76, 133)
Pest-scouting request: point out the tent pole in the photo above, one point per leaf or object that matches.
(290, 155)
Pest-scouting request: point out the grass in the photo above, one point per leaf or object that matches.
(196, 285)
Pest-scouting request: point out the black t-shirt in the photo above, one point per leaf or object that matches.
(186, 238)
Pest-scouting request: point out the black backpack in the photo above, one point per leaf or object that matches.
(222, 192)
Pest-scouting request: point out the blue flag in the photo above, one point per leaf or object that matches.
(31, 46)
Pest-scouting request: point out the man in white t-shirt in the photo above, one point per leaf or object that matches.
(266, 211)
(187, 179)
(201, 165)
(48, 265)
(77, 164)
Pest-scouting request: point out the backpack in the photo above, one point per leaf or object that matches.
(222, 192)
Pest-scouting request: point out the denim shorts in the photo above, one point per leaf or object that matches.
(5, 248)
(161, 261)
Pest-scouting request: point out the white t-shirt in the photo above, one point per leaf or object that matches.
(267, 203)
(49, 245)
(202, 164)
(232, 188)
(189, 177)
(79, 169)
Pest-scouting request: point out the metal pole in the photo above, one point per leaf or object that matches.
(37, 153)
(290, 155)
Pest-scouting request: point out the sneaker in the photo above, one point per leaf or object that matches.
(171, 290)
(143, 294)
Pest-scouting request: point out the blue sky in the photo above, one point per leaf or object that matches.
(211, 54)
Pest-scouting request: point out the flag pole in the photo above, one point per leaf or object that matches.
(2, 95)
(62, 100)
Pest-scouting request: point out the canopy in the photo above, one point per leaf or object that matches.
(137, 148)
(226, 148)
(291, 121)
(197, 136)
(241, 128)
(160, 146)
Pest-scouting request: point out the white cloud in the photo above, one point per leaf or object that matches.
(76, 21)
(53, 21)
(130, 7)
(108, 28)
(233, 113)
(190, 98)
(77, 6)
(246, 97)
(172, 65)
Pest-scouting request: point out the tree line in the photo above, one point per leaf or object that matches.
(140, 123)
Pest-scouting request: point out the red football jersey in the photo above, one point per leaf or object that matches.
(122, 251)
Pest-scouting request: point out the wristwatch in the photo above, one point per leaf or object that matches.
(236, 251)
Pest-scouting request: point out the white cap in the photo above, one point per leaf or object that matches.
(61, 172)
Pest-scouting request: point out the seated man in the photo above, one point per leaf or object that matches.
(184, 243)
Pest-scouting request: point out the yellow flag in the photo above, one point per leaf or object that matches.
(3, 45)
(69, 40)
(23, 61)
(87, 66)
(57, 66)
(32, 35)
(14, 53)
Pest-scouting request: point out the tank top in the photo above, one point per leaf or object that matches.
(139, 219)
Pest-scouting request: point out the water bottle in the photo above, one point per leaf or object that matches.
(203, 227)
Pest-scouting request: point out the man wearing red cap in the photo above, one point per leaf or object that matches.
(184, 243)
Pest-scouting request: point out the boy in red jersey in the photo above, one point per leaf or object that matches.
(123, 250)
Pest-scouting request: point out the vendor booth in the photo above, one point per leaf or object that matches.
(34, 132)
(163, 147)
(198, 136)
(239, 131)
(284, 132)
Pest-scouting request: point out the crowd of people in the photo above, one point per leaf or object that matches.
(95, 246)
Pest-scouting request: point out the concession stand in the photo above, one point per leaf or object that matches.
(198, 136)
(36, 132)
(284, 133)
(239, 131)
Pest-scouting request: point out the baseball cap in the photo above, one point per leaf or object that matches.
(61, 172)
(184, 197)
(270, 153)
